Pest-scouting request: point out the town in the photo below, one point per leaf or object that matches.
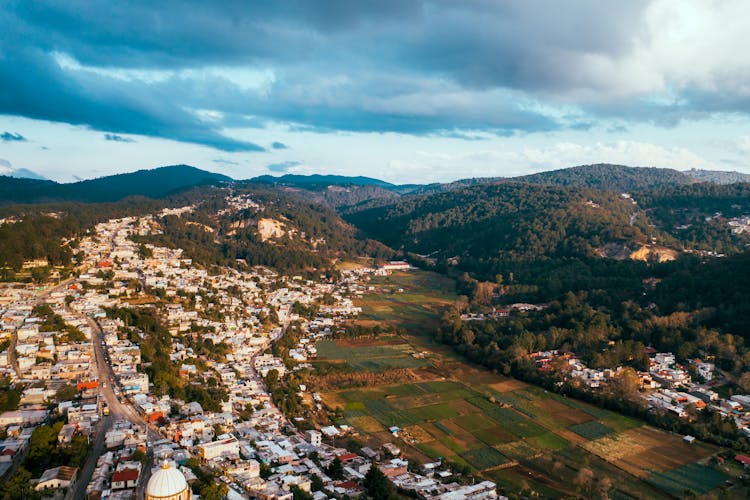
(86, 373)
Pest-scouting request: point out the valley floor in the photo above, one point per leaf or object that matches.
(522, 437)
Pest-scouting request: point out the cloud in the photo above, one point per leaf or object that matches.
(439, 166)
(197, 71)
(282, 167)
(46, 91)
(224, 161)
(279, 145)
(117, 138)
(11, 137)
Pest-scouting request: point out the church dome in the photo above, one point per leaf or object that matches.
(168, 483)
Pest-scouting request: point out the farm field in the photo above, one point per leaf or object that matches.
(520, 436)
(407, 299)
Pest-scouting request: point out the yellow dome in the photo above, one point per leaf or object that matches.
(167, 483)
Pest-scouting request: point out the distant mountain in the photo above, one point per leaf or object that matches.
(155, 183)
(23, 173)
(608, 177)
(321, 180)
(717, 176)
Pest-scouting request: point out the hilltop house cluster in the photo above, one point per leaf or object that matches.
(666, 386)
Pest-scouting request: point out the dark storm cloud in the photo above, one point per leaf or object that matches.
(11, 137)
(117, 138)
(35, 86)
(437, 67)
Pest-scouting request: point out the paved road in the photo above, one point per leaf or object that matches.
(84, 476)
(117, 411)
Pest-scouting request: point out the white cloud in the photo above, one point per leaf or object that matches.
(434, 166)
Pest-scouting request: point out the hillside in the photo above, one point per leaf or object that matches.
(507, 221)
(155, 183)
(701, 215)
(321, 180)
(718, 176)
(608, 177)
(259, 225)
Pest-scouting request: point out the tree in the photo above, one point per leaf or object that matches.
(584, 478)
(299, 494)
(316, 483)
(603, 487)
(377, 485)
(744, 382)
(139, 456)
(18, 486)
(625, 384)
(66, 392)
(213, 491)
(335, 469)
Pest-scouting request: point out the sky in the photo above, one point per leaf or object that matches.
(402, 90)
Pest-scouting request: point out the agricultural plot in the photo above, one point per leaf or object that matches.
(485, 458)
(591, 430)
(503, 429)
(695, 478)
(370, 357)
(412, 300)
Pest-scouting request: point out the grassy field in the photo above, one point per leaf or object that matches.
(408, 299)
(369, 356)
(520, 436)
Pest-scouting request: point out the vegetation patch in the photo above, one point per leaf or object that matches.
(473, 422)
(494, 436)
(691, 478)
(388, 415)
(550, 441)
(592, 430)
(434, 412)
(484, 458)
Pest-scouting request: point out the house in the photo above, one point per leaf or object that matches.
(396, 265)
(314, 438)
(227, 447)
(56, 478)
(125, 478)
(485, 489)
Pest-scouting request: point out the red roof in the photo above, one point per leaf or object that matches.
(89, 384)
(349, 485)
(348, 457)
(743, 459)
(125, 475)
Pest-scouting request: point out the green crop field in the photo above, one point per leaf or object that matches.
(370, 358)
(591, 430)
(485, 458)
(502, 429)
(693, 477)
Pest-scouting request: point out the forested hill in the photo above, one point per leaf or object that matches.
(510, 221)
(604, 176)
(271, 227)
(717, 176)
(155, 183)
(321, 180)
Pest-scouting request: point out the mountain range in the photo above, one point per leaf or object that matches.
(25, 186)
(155, 183)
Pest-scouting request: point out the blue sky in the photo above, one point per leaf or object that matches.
(407, 91)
